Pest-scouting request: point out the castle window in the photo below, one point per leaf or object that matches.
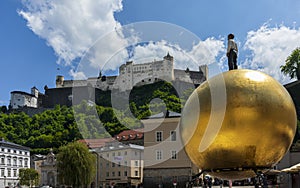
(149, 80)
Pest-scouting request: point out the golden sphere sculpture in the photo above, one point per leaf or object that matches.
(238, 123)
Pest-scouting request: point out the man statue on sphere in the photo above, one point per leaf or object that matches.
(232, 51)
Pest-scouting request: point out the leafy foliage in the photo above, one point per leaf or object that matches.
(28, 176)
(141, 97)
(76, 165)
(292, 66)
(61, 125)
(49, 129)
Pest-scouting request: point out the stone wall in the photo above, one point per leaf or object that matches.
(166, 177)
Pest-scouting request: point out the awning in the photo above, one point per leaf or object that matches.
(293, 169)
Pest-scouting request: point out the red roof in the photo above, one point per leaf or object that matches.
(130, 135)
(96, 143)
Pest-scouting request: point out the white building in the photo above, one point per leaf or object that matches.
(21, 99)
(12, 158)
(120, 164)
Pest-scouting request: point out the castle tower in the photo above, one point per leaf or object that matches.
(169, 57)
(35, 92)
(204, 70)
(59, 81)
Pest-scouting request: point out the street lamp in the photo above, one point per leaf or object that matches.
(4, 181)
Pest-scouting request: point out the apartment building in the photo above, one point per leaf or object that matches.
(12, 158)
(166, 163)
(119, 164)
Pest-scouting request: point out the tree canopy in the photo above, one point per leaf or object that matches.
(292, 66)
(28, 176)
(76, 165)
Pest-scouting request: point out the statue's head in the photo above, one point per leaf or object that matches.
(231, 36)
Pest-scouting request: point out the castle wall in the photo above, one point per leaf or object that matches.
(21, 99)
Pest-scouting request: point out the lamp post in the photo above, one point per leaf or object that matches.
(4, 181)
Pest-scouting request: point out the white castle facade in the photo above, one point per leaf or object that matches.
(20, 99)
(131, 75)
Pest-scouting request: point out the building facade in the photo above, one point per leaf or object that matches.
(166, 163)
(119, 165)
(13, 157)
(48, 170)
(21, 99)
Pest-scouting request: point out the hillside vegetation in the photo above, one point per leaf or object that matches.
(61, 125)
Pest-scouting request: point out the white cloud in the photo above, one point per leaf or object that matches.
(87, 29)
(71, 27)
(270, 46)
(204, 52)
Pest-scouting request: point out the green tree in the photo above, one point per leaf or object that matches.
(292, 66)
(76, 165)
(28, 176)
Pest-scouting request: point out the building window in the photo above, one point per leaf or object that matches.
(20, 162)
(119, 173)
(113, 154)
(107, 155)
(158, 155)
(107, 165)
(26, 163)
(159, 136)
(15, 151)
(2, 160)
(125, 163)
(125, 153)
(173, 135)
(136, 173)
(119, 153)
(107, 174)
(2, 172)
(8, 172)
(173, 154)
(15, 172)
(125, 173)
(8, 150)
(136, 163)
(112, 164)
(15, 161)
(113, 174)
(8, 161)
(119, 164)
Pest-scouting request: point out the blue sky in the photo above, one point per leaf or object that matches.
(40, 39)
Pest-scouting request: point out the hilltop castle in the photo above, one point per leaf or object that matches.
(130, 75)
